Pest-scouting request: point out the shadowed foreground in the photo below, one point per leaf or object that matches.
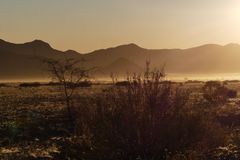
(138, 119)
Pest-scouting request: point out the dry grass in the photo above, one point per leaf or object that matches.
(134, 121)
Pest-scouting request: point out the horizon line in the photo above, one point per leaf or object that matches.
(120, 45)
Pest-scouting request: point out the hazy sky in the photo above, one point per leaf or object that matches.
(86, 25)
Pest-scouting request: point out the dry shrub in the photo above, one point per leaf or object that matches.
(147, 119)
(33, 84)
(3, 85)
(216, 94)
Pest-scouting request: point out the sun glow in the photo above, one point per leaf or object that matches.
(234, 13)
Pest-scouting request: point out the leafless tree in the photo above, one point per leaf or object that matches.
(68, 73)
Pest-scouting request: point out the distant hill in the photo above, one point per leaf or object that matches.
(121, 66)
(22, 60)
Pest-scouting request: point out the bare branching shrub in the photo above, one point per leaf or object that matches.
(69, 75)
(147, 119)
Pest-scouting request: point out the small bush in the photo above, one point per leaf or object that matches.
(215, 93)
(79, 84)
(34, 84)
(194, 81)
(3, 85)
(84, 84)
(53, 84)
(232, 81)
(72, 85)
(122, 83)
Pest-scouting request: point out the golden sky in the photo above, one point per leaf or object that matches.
(86, 25)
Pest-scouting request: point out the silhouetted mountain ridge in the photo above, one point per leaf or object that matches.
(38, 44)
(22, 60)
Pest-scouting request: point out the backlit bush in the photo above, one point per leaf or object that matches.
(147, 119)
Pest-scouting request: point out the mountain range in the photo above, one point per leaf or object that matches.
(23, 60)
